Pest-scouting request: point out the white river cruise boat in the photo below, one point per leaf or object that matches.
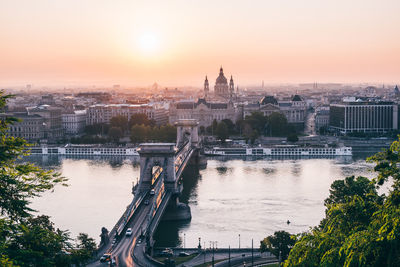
(85, 150)
(280, 151)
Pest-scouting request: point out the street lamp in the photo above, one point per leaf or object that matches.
(184, 240)
(239, 241)
(214, 244)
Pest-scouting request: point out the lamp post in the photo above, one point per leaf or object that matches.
(239, 241)
(205, 252)
(214, 244)
(252, 254)
(229, 256)
(184, 240)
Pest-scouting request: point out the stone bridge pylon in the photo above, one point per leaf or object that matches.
(187, 130)
(167, 156)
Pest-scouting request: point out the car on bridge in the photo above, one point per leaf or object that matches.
(167, 253)
(146, 202)
(106, 257)
(128, 232)
(152, 192)
(183, 254)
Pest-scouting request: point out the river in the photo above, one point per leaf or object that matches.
(228, 198)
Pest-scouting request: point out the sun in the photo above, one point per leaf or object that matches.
(149, 43)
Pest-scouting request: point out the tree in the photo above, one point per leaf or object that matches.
(38, 243)
(222, 131)
(277, 124)
(99, 128)
(253, 136)
(115, 133)
(230, 125)
(214, 126)
(26, 240)
(119, 122)
(343, 190)
(257, 121)
(86, 246)
(361, 227)
(140, 119)
(278, 244)
(139, 133)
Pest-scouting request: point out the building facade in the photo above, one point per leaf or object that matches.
(74, 122)
(102, 113)
(295, 109)
(53, 127)
(202, 111)
(30, 127)
(321, 117)
(363, 116)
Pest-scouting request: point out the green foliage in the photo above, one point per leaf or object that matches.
(257, 121)
(342, 191)
(145, 133)
(273, 125)
(361, 227)
(85, 248)
(95, 129)
(278, 244)
(230, 125)
(140, 133)
(222, 131)
(140, 119)
(115, 133)
(26, 240)
(38, 243)
(278, 125)
(119, 122)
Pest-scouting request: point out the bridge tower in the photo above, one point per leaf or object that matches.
(157, 154)
(187, 130)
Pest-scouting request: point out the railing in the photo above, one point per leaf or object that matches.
(159, 189)
(181, 156)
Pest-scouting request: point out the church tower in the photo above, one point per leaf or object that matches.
(206, 88)
(221, 87)
(231, 88)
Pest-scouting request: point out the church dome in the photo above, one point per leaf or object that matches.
(221, 78)
(296, 98)
(269, 100)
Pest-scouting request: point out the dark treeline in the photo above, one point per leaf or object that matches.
(139, 129)
(252, 127)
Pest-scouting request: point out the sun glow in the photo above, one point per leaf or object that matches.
(149, 43)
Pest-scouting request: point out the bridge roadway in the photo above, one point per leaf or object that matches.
(130, 250)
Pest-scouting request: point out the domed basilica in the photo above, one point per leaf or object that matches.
(221, 87)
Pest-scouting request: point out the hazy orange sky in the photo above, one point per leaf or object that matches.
(71, 42)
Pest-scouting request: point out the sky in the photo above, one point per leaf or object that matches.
(177, 43)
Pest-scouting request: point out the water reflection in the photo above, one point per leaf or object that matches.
(249, 196)
(255, 197)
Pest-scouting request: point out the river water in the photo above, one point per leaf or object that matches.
(228, 198)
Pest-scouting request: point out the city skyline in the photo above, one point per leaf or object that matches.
(179, 42)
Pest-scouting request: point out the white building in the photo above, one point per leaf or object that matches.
(102, 113)
(74, 122)
(295, 110)
(321, 117)
(202, 111)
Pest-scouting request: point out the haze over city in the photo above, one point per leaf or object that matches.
(186, 133)
(177, 43)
